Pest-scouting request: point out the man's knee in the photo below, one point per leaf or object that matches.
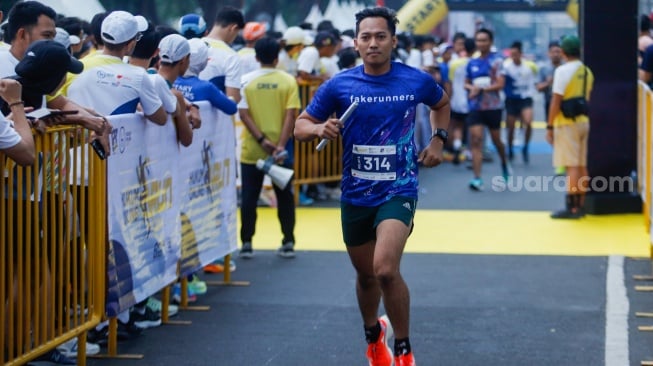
(386, 275)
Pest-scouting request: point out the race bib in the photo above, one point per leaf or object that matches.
(374, 162)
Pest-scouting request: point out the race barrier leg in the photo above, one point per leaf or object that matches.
(227, 276)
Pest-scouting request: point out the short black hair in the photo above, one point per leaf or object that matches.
(644, 23)
(26, 14)
(470, 46)
(459, 35)
(389, 15)
(267, 50)
(486, 31)
(349, 32)
(96, 27)
(229, 15)
(165, 30)
(347, 58)
(148, 44)
(73, 25)
(554, 44)
(517, 45)
(306, 26)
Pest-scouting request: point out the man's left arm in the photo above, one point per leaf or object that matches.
(84, 117)
(98, 125)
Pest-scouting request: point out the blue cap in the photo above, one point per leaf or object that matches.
(192, 23)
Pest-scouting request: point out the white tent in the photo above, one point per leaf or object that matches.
(314, 16)
(74, 8)
(280, 24)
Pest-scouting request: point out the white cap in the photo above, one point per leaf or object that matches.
(293, 36)
(64, 38)
(173, 48)
(120, 26)
(199, 56)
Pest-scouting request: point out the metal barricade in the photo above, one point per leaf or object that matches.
(52, 252)
(313, 166)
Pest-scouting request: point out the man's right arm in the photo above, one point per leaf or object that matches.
(23, 152)
(308, 128)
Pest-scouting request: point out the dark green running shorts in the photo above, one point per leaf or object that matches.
(359, 222)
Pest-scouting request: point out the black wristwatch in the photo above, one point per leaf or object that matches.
(441, 133)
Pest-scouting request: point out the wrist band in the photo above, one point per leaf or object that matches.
(260, 139)
(16, 103)
(549, 127)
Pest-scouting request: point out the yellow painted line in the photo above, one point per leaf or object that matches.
(475, 232)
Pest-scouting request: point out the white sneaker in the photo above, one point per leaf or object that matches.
(69, 349)
(155, 305)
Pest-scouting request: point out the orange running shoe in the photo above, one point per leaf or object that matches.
(379, 353)
(214, 268)
(405, 360)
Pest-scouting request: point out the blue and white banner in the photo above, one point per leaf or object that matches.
(143, 217)
(208, 191)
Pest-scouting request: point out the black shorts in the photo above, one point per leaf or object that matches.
(359, 222)
(514, 107)
(491, 119)
(460, 117)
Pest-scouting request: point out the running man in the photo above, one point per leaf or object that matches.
(520, 75)
(379, 185)
(484, 83)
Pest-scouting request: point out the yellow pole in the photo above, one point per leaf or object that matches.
(572, 10)
(421, 16)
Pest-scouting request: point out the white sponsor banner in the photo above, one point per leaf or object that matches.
(208, 191)
(143, 217)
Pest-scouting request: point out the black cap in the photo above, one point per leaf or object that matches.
(323, 39)
(45, 64)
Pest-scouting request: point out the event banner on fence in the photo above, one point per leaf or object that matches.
(208, 191)
(144, 226)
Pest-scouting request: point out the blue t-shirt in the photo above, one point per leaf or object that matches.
(444, 73)
(483, 72)
(380, 158)
(195, 90)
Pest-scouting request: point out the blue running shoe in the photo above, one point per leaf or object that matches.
(476, 184)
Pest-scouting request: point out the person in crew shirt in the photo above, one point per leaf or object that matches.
(194, 89)
(268, 108)
(224, 67)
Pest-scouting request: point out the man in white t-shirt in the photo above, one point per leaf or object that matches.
(16, 140)
(110, 86)
(29, 22)
(144, 51)
(253, 32)
(309, 66)
(293, 44)
(520, 78)
(224, 66)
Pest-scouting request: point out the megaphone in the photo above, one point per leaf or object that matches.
(280, 176)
